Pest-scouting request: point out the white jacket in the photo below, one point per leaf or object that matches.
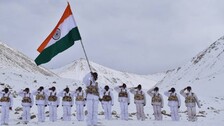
(87, 80)
(136, 91)
(66, 103)
(78, 93)
(109, 92)
(40, 102)
(6, 104)
(25, 94)
(186, 94)
(153, 93)
(173, 103)
(122, 99)
(54, 93)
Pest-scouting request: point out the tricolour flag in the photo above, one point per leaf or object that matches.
(61, 38)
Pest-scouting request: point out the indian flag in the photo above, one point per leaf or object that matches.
(61, 38)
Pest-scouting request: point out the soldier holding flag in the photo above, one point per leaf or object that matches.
(92, 97)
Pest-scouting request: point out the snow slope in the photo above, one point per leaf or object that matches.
(13, 59)
(204, 72)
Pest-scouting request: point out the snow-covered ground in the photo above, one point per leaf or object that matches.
(211, 112)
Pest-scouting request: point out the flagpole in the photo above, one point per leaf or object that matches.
(86, 55)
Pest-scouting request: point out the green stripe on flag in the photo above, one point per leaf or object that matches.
(64, 43)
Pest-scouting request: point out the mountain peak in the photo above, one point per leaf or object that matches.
(79, 68)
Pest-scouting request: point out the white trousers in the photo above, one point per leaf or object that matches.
(53, 113)
(124, 110)
(140, 111)
(5, 114)
(67, 113)
(174, 113)
(157, 112)
(41, 113)
(92, 108)
(26, 114)
(80, 111)
(107, 110)
(191, 112)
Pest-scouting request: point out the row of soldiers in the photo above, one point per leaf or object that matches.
(91, 97)
(174, 102)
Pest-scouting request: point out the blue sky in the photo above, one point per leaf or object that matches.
(143, 36)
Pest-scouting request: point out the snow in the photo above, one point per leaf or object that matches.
(204, 73)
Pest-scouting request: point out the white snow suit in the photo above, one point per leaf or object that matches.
(140, 102)
(157, 103)
(67, 103)
(190, 102)
(92, 99)
(107, 103)
(174, 103)
(124, 99)
(80, 103)
(6, 101)
(27, 103)
(53, 102)
(41, 102)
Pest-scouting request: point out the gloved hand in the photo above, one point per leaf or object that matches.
(71, 105)
(30, 106)
(84, 105)
(57, 105)
(45, 105)
(10, 108)
(128, 103)
(178, 106)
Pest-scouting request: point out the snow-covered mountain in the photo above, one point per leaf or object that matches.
(15, 60)
(205, 72)
(79, 68)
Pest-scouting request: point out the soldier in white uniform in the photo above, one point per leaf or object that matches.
(124, 99)
(6, 102)
(191, 100)
(67, 103)
(107, 101)
(92, 97)
(80, 103)
(27, 103)
(41, 102)
(156, 102)
(140, 101)
(53, 102)
(174, 103)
